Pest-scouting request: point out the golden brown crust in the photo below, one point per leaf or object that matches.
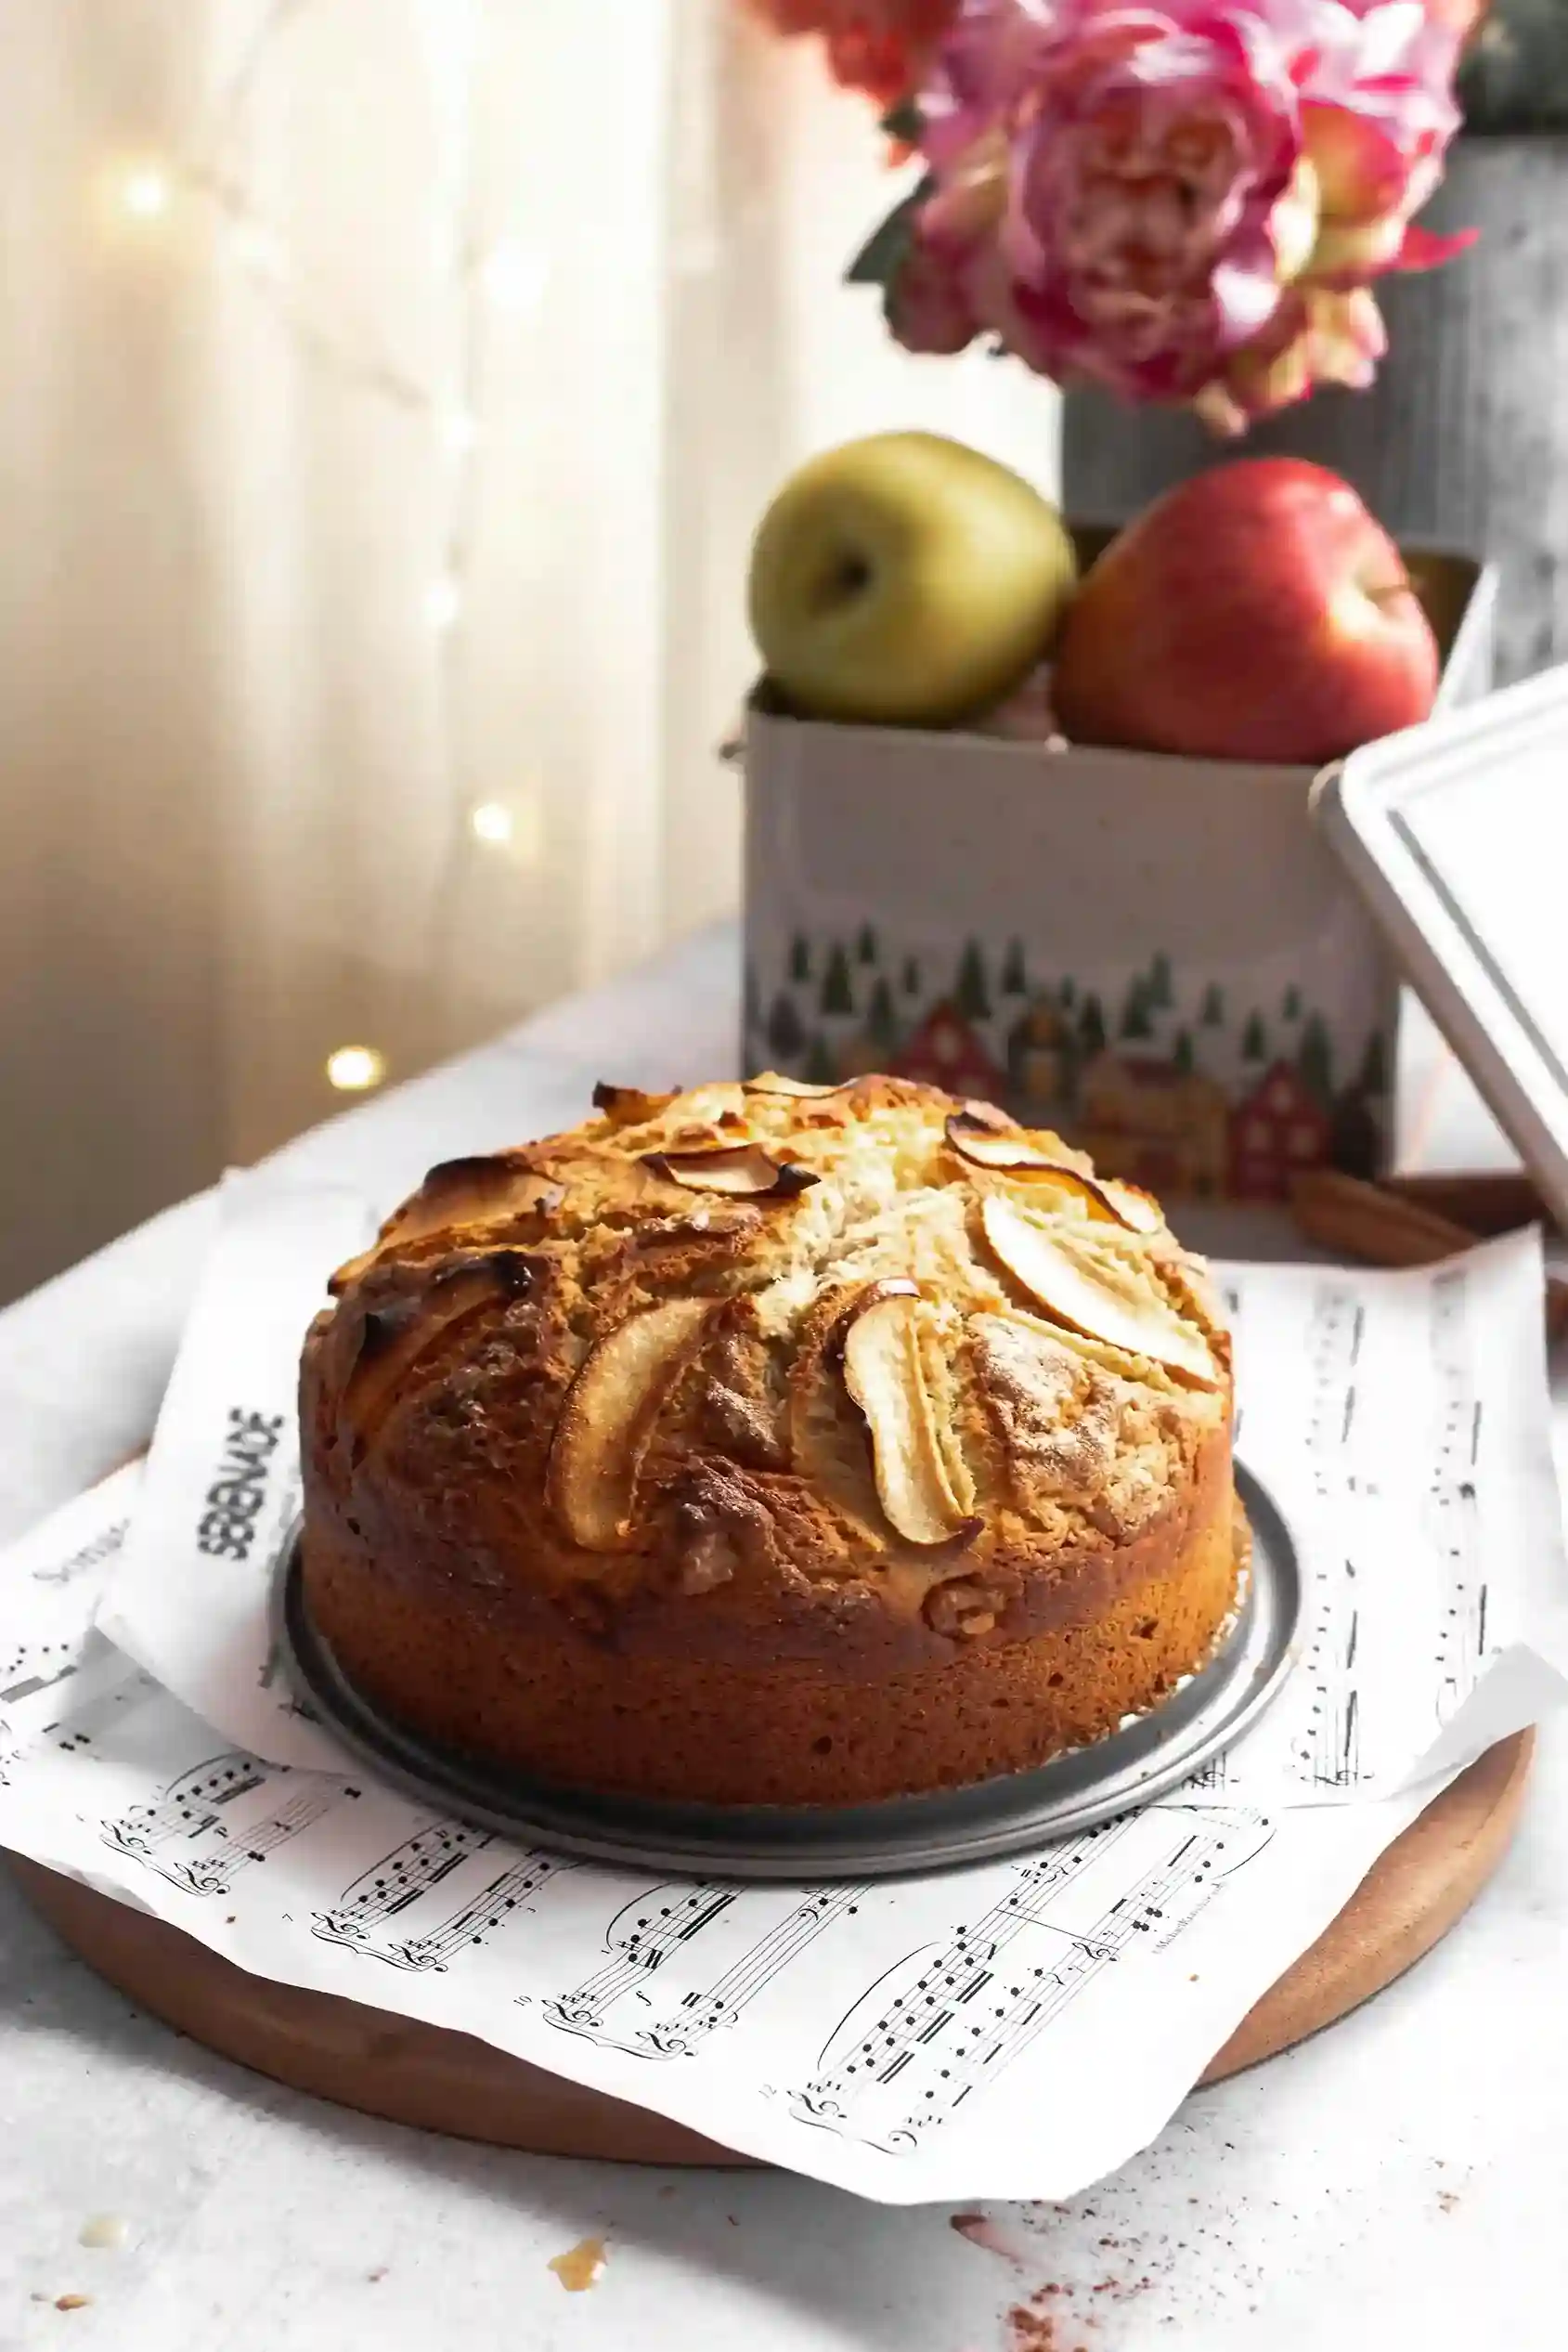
(729, 1393)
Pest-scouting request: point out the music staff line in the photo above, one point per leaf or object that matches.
(973, 2011)
(188, 1836)
(646, 1936)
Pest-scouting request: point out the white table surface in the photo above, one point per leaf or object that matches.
(1398, 2182)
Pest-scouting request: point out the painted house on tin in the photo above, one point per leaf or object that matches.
(1277, 1132)
(945, 1051)
(1154, 1122)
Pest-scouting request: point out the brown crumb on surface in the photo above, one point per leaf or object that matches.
(580, 2267)
(1447, 2198)
(1030, 2331)
(72, 2302)
(982, 2231)
(1037, 2325)
(377, 2274)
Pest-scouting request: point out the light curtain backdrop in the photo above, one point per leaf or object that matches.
(387, 392)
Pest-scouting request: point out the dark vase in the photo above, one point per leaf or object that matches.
(1463, 440)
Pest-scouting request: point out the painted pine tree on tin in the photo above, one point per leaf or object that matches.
(837, 995)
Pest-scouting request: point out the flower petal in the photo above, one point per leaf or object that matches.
(1429, 248)
(1181, 199)
(1294, 224)
(1346, 337)
(1361, 173)
(1349, 252)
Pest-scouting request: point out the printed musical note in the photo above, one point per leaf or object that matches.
(643, 1936)
(475, 1920)
(1329, 1747)
(33, 1668)
(397, 1882)
(39, 1661)
(1333, 1348)
(190, 1835)
(965, 2017)
(1452, 1511)
(1463, 1640)
(1456, 1434)
(1318, 1720)
(960, 1972)
(1233, 1300)
(50, 1659)
(680, 2035)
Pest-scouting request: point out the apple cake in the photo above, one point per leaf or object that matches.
(770, 1444)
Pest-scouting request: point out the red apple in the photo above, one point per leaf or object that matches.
(1256, 612)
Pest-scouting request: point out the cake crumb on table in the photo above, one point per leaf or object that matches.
(105, 2232)
(580, 2267)
(1041, 2325)
(982, 2231)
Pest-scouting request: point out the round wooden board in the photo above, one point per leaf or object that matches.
(441, 2081)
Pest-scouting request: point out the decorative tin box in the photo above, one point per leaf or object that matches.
(1160, 957)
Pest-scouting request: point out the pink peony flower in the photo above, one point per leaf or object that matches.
(1185, 200)
(981, 74)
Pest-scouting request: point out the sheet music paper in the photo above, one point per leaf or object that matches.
(186, 1597)
(1401, 1423)
(1012, 2029)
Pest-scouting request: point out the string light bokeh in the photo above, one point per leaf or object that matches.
(152, 194)
(491, 821)
(145, 192)
(355, 1070)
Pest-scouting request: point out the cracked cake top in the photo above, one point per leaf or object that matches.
(807, 1356)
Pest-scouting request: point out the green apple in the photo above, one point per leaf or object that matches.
(906, 580)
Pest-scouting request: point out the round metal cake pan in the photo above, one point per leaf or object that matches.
(902, 1836)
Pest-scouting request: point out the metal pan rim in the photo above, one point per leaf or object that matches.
(900, 1837)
